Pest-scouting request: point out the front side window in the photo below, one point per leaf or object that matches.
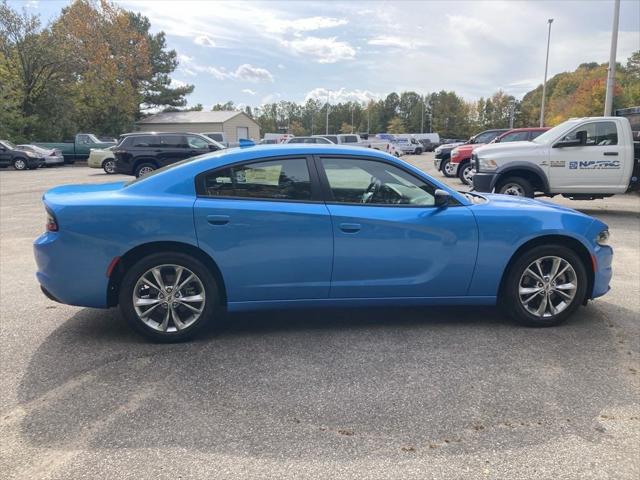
(535, 134)
(486, 137)
(597, 134)
(173, 141)
(373, 182)
(286, 179)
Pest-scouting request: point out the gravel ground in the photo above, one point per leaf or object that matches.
(381, 393)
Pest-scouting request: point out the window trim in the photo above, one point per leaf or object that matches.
(328, 193)
(316, 193)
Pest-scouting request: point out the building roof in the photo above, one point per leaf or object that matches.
(192, 117)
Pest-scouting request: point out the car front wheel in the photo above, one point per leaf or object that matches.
(448, 168)
(545, 286)
(465, 173)
(168, 297)
(109, 166)
(516, 186)
(20, 164)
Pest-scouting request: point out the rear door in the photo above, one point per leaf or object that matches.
(266, 226)
(390, 240)
(591, 167)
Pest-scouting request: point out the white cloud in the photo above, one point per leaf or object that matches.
(248, 91)
(204, 41)
(281, 66)
(341, 96)
(250, 73)
(307, 24)
(322, 50)
(396, 42)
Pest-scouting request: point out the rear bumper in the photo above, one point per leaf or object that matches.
(484, 182)
(54, 160)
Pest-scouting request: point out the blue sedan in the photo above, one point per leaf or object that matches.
(279, 226)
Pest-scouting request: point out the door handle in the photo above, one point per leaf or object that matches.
(218, 219)
(350, 227)
(611, 154)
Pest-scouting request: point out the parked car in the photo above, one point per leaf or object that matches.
(461, 156)
(442, 158)
(10, 155)
(355, 140)
(257, 227)
(278, 137)
(77, 149)
(313, 139)
(103, 158)
(462, 169)
(433, 138)
(408, 145)
(141, 153)
(581, 159)
(52, 157)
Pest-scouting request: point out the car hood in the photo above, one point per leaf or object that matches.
(511, 202)
(505, 148)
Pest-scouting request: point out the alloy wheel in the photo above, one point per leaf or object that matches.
(467, 174)
(145, 170)
(169, 298)
(19, 164)
(547, 286)
(109, 166)
(514, 189)
(450, 169)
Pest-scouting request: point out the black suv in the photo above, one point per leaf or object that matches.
(141, 153)
(21, 160)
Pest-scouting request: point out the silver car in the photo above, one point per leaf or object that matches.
(51, 157)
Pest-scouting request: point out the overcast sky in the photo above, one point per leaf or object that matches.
(258, 52)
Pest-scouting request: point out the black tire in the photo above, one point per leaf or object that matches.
(461, 171)
(20, 163)
(109, 166)
(443, 166)
(134, 273)
(141, 168)
(510, 298)
(511, 185)
(418, 151)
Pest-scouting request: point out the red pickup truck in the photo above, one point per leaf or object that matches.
(461, 156)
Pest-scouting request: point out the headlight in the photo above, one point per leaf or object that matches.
(31, 154)
(487, 165)
(603, 238)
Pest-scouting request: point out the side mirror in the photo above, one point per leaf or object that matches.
(213, 147)
(441, 198)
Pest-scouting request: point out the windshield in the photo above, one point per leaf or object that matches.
(555, 132)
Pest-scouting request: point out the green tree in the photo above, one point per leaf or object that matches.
(396, 125)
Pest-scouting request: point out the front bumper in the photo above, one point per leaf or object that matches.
(484, 182)
(604, 271)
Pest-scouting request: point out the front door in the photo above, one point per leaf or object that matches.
(592, 167)
(390, 240)
(268, 230)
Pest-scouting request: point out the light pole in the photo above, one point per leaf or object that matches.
(369, 117)
(611, 71)
(326, 132)
(352, 108)
(544, 84)
(422, 115)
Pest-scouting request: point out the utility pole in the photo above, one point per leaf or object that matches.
(352, 108)
(422, 116)
(512, 111)
(611, 71)
(544, 84)
(369, 117)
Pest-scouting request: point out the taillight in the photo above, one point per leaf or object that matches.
(52, 223)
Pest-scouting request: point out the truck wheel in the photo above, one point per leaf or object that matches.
(544, 286)
(144, 169)
(418, 151)
(517, 186)
(20, 164)
(464, 173)
(448, 168)
(109, 166)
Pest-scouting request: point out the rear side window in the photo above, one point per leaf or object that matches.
(515, 137)
(173, 141)
(143, 141)
(286, 179)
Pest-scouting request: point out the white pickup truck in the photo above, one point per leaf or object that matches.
(581, 159)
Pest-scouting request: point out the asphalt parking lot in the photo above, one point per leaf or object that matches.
(379, 393)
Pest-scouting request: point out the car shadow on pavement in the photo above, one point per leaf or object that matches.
(341, 383)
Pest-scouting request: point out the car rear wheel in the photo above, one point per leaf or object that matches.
(448, 168)
(465, 173)
(168, 297)
(109, 166)
(144, 169)
(517, 186)
(544, 286)
(20, 164)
